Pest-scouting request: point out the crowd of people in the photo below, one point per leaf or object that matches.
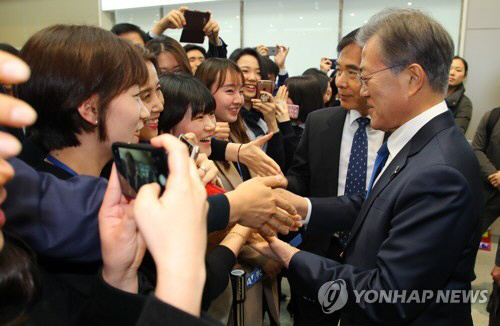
(354, 171)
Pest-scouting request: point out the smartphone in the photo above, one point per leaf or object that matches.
(193, 30)
(193, 149)
(293, 111)
(139, 164)
(334, 63)
(272, 50)
(264, 86)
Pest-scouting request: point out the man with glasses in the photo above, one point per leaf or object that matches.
(414, 236)
(335, 156)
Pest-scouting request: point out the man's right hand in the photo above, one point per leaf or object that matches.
(254, 204)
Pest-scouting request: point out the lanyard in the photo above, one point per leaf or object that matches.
(60, 164)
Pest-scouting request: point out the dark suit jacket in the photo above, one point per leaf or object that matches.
(315, 168)
(418, 229)
(488, 154)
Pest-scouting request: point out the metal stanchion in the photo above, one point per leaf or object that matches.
(238, 281)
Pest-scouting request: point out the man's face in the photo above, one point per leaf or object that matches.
(386, 93)
(196, 58)
(134, 37)
(347, 80)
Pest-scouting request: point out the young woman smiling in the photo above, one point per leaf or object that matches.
(84, 86)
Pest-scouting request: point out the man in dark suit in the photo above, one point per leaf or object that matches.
(322, 159)
(418, 228)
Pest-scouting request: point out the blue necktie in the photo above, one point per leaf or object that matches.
(382, 155)
(356, 170)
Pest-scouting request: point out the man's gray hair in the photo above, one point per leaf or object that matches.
(409, 36)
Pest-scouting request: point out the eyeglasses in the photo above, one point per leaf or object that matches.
(364, 79)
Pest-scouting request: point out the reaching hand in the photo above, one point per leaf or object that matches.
(273, 248)
(255, 205)
(257, 160)
(174, 226)
(280, 57)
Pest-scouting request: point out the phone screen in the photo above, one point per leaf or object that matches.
(293, 111)
(139, 164)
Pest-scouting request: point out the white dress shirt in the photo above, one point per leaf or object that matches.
(401, 136)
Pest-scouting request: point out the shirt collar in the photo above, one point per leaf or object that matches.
(353, 115)
(401, 136)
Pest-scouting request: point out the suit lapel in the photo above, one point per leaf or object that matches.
(330, 148)
(421, 138)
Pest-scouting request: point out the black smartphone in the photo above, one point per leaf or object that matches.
(193, 30)
(139, 164)
(194, 149)
(334, 63)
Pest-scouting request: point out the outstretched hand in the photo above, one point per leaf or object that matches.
(273, 248)
(256, 206)
(256, 159)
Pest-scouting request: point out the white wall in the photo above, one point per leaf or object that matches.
(446, 12)
(19, 19)
(309, 28)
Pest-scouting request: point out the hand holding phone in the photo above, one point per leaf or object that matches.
(264, 86)
(272, 51)
(193, 29)
(193, 149)
(139, 164)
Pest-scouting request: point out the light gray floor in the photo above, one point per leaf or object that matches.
(484, 264)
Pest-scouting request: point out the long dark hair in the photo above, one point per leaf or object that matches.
(215, 70)
(305, 92)
(168, 44)
(19, 280)
(238, 53)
